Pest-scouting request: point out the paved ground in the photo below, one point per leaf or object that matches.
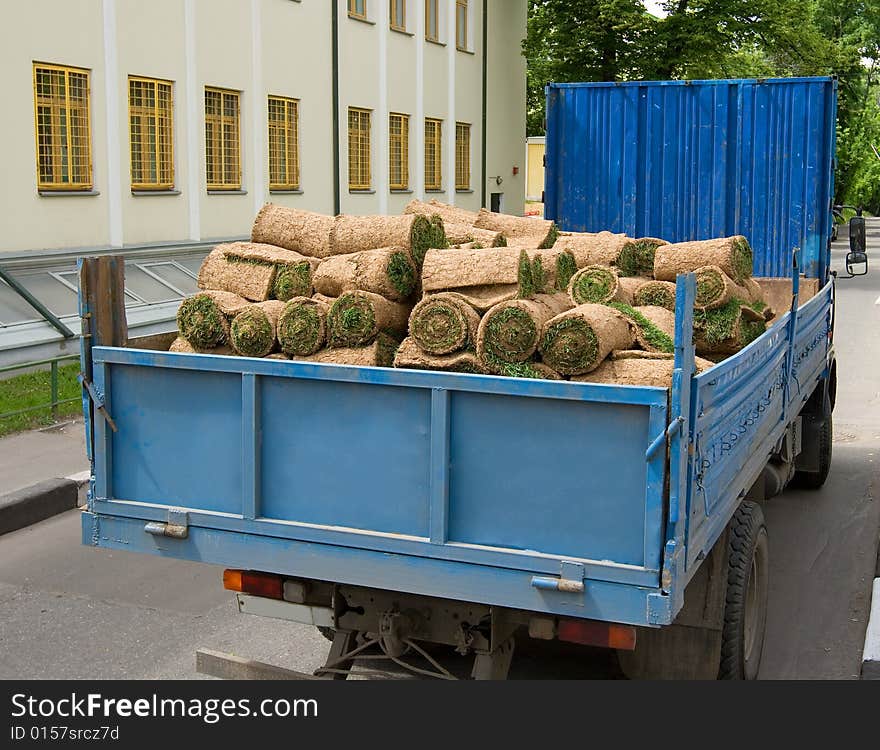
(72, 611)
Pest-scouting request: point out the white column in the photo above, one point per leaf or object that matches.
(260, 112)
(111, 100)
(380, 124)
(449, 145)
(193, 98)
(417, 125)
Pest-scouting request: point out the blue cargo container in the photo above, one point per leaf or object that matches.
(687, 160)
(456, 509)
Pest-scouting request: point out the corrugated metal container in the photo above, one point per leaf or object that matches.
(687, 160)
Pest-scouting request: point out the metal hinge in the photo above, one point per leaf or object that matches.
(177, 526)
(570, 581)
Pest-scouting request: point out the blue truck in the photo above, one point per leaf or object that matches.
(403, 511)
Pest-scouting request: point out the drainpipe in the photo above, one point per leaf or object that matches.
(337, 201)
(485, 95)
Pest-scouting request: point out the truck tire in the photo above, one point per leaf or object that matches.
(745, 607)
(813, 480)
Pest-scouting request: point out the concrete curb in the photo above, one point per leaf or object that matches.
(871, 654)
(41, 501)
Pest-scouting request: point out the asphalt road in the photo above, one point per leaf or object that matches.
(75, 612)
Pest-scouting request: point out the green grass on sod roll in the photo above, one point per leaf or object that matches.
(201, 322)
(654, 336)
(299, 330)
(550, 239)
(539, 276)
(743, 261)
(500, 241)
(510, 335)
(566, 267)
(637, 257)
(401, 274)
(426, 235)
(719, 324)
(592, 285)
(438, 326)
(655, 295)
(570, 346)
(525, 279)
(513, 369)
(709, 286)
(293, 281)
(351, 321)
(251, 333)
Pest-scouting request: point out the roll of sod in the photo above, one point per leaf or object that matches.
(551, 270)
(727, 329)
(449, 214)
(701, 364)
(530, 370)
(446, 270)
(444, 323)
(293, 280)
(412, 232)
(576, 342)
(602, 249)
(509, 333)
(715, 289)
(460, 234)
(380, 353)
(542, 233)
(357, 318)
(182, 346)
(302, 326)
(600, 284)
(304, 232)
(732, 254)
(636, 257)
(253, 331)
(410, 356)
(203, 319)
(636, 371)
(654, 327)
(386, 271)
(655, 294)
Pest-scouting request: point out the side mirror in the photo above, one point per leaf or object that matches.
(857, 257)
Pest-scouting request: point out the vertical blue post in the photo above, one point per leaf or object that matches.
(250, 446)
(439, 478)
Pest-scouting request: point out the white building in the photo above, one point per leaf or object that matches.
(129, 122)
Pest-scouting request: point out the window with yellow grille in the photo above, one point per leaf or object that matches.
(432, 20)
(151, 128)
(433, 154)
(358, 9)
(359, 176)
(462, 156)
(398, 14)
(398, 151)
(283, 143)
(461, 24)
(222, 139)
(63, 128)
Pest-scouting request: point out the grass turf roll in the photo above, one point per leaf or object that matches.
(385, 271)
(732, 254)
(304, 232)
(302, 326)
(203, 319)
(575, 342)
(727, 329)
(715, 289)
(530, 370)
(460, 234)
(655, 294)
(509, 332)
(444, 323)
(253, 331)
(447, 270)
(379, 353)
(357, 318)
(522, 228)
(654, 327)
(552, 269)
(182, 346)
(587, 249)
(449, 214)
(415, 233)
(410, 356)
(636, 257)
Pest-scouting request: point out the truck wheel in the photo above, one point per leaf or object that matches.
(813, 480)
(745, 608)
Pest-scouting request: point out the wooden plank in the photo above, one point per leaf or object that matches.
(231, 667)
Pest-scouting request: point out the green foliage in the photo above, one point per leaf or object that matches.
(33, 390)
(660, 340)
(200, 321)
(402, 274)
(293, 281)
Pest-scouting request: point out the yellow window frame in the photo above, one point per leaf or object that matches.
(62, 127)
(151, 133)
(433, 154)
(398, 21)
(462, 10)
(222, 138)
(462, 156)
(398, 151)
(359, 149)
(353, 11)
(432, 20)
(283, 143)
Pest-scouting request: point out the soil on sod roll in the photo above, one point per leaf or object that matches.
(444, 323)
(509, 332)
(602, 249)
(380, 353)
(727, 329)
(304, 232)
(414, 233)
(732, 254)
(633, 370)
(182, 346)
(601, 284)
(715, 289)
(575, 342)
(459, 234)
(445, 270)
(357, 318)
(701, 364)
(253, 331)
(203, 319)
(483, 298)
(637, 257)
(302, 326)
(410, 356)
(654, 327)
(551, 270)
(520, 228)
(386, 271)
(450, 214)
(655, 294)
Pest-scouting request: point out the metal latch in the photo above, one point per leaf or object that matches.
(97, 399)
(177, 526)
(570, 581)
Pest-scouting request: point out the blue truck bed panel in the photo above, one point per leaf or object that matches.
(687, 160)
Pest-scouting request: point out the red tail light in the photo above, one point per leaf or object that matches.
(257, 584)
(601, 634)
